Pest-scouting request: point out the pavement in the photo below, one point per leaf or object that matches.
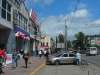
(69, 70)
(34, 64)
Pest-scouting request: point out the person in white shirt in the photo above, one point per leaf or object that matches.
(40, 53)
(78, 58)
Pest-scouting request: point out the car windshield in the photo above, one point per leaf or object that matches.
(58, 55)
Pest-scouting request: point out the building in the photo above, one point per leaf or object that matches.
(6, 25)
(94, 39)
(34, 30)
(46, 43)
(15, 24)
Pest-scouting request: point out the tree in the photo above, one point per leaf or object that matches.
(61, 38)
(80, 40)
(69, 44)
(74, 43)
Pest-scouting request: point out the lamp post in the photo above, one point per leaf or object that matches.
(65, 35)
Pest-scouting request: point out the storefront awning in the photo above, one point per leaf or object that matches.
(21, 33)
(17, 29)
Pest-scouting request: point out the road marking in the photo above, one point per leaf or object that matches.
(37, 69)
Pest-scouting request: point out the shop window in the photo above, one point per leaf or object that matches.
(3, 13)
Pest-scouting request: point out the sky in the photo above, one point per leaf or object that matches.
(52, 14)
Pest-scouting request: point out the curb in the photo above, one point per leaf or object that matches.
(37, 69)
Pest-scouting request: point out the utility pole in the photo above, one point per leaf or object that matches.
(65, 35)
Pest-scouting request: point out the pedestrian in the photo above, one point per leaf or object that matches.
(46, 54)
(78, 58)
(40, 53)
(15, 58)
(2, 58)
(26, 57)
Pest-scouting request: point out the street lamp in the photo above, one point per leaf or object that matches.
(65, 35)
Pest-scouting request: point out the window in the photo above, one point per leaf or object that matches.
(47, 44)
(3, 13)
(5, 10)
(4, 2)
(43, 43)
(8, 16)
(0, 2)
(65, 55)
(8, 7)
(0, 11)
(71, 55)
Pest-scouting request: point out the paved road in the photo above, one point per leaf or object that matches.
(62, 70)
(92, 59)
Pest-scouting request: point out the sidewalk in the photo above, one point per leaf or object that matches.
(34, 62)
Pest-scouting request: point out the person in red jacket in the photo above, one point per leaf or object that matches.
(2, 58)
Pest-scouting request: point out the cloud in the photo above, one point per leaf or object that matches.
(46, 2)
(78, 22)
(80, 13)
(97, 22)
(55, 24)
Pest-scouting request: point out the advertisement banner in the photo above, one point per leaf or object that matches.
(9, 59)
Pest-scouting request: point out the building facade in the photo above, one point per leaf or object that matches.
(6, 25)
(15, 22)
(46, 43)
(94, 39)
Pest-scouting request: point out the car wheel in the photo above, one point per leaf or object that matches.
(57, 62)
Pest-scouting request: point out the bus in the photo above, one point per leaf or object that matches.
(92, 51)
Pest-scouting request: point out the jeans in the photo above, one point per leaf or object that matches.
(77, 61)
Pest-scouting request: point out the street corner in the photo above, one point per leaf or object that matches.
(38, 68)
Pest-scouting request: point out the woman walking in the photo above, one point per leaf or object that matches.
(26, 57)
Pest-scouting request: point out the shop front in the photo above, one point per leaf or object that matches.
(22, 39)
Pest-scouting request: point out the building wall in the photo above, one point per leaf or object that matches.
(44, 40)
(6, 26)
(20, 18)
(5, 20)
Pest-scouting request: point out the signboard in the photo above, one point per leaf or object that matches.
(93, 42)
(9, 59)
(98, 41)
(60, 45)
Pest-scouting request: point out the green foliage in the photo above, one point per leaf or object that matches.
(61, 38)
(81, 41)
(69, 44)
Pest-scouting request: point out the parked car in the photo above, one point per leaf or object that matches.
(64, 58)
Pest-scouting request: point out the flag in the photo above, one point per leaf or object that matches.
(33, 15)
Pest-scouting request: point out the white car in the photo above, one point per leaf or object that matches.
(64, 58)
